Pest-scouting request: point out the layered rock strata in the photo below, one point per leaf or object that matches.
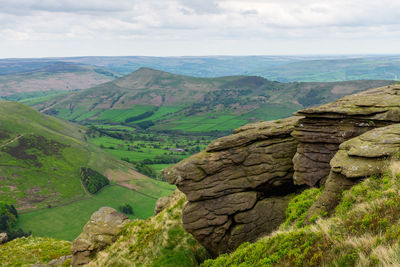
(236, 188)
(358, 158)
(324, 128)
(100, 232)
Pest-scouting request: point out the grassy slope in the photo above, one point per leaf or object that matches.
(31, 250)
(36, 177)
(54, 223)
(157, 241)
(364, 231)
(52, 178)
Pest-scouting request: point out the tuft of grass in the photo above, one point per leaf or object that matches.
(298, 207)
(26, 251)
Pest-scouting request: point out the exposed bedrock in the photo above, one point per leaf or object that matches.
(100, 232)
(368, 154)
(237, 187)
(324, 128)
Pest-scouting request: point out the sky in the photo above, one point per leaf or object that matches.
(55, 28)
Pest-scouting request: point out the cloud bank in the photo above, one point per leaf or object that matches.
(196, 27)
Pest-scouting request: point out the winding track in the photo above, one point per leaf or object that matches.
(11, 141)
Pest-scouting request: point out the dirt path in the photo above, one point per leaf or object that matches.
(11, 141)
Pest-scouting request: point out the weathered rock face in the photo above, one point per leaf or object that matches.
(3, 238)
(324, 128)
(358, 158)
(98, 233)
(235, 186)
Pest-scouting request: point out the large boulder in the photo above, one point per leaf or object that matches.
(100, 232)
(235, 187)
(324, 128)
(366, 155)
(3, 238)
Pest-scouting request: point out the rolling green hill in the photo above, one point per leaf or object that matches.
(41, 158)
(163, 101)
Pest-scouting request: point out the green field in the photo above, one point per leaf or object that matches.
(66, 222)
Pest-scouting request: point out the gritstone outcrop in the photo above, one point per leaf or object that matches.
(237, 188)
(324, 128)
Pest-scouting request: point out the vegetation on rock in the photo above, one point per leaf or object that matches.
(157, 241)
(364, 231)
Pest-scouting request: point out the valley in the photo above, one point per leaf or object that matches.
(41, 160)
(124, 132)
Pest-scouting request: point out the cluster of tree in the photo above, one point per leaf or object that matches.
(211, 134)
(94, 132)
(145, 124)
(126, 209)
(147, 170)
(139, 117)
(8, 219)
(93, 180)
(162, 159)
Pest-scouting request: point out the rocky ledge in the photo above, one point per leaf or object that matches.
(237, 187)
(366, 155)
(324, 128)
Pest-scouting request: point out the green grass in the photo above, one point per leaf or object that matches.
(31, 250)
(66, 222)
(205, 123)
(271, 112)
(159, 167)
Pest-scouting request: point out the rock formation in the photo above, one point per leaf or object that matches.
(236, 187)
(357, 158)
(3, 238)
(160, 204)
(97, 234)
(324, 128)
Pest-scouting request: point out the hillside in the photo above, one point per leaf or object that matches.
(168, 101)
(18, 79)
(248, 202)
(41, 160)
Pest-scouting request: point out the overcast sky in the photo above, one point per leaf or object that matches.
(37, 28)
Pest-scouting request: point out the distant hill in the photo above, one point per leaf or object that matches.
(322, 68)
(41, 159)
(28, 77)
(176, 102)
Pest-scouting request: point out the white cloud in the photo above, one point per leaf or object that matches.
(182, 26)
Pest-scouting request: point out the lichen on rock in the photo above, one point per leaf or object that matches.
(324, 128)
(364, 156)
